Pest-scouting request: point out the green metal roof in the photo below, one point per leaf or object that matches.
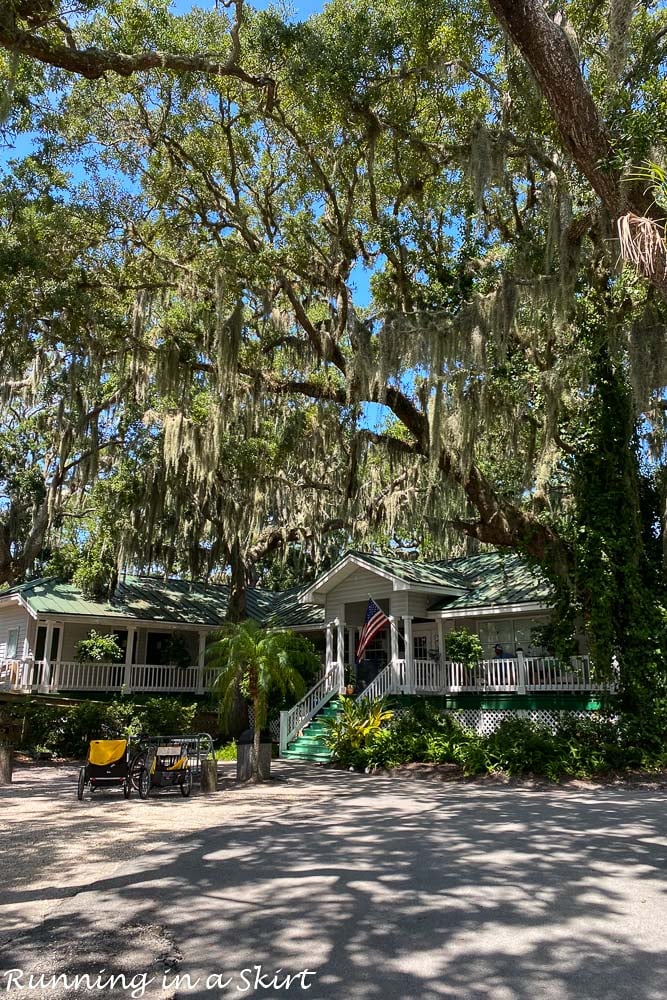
(175, 601)
(496, 578)
(289, 612)
(488, 578)
(436, 574)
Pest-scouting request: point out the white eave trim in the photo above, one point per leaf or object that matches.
(18, 599)
(320, 587)
(483, 611)
(110, 620)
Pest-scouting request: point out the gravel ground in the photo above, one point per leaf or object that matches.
(382, 887)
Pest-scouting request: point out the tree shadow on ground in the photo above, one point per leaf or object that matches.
(386, 888)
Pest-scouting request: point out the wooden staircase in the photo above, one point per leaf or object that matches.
(309, 745)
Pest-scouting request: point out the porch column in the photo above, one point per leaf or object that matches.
(329, 653)
(46, 678)
(520, 672)
(441, 649)
(393, 639)
(409, 655)
(340, 657)
(200, 662)
(127, 674)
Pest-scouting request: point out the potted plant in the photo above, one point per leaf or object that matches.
(350, 681)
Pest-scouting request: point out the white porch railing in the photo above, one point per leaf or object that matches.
(515, 675)
(549, 674)
(144, 677)
(428, 676)
(70, 675)
(487, 675)
(292, 721)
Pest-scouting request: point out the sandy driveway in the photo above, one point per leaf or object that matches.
(353, 886)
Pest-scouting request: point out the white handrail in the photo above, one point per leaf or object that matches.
(382, 685)
(297, 717)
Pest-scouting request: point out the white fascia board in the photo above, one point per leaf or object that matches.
(491, 610)
(428, 588)
(326, 582)
(109, 621)
(18, 599)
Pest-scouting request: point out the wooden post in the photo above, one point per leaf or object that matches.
(340, 658)
(409, 656)
(127, 674)
(443, 651)
(283, 731)
(329, 653)
(46, 679)
(6, 762)
(209, 776)
(393, 639)
(520, 672)
(201, 662)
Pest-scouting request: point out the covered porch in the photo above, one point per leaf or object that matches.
(406, 674)
(49, 664)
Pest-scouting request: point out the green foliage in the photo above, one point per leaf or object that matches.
(302, 656)
(99, 649)
(350, 733)
(464, 647)
(66, 730)
(579, 747)
(255, 661)
(96, 574)
(226, 752)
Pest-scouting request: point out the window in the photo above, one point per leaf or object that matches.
(511, 634)
(12, 644)
(420, 647)
(497, 633)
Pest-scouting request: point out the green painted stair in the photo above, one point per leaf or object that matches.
(310, 745)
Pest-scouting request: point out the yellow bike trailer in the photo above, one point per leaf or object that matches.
(107, 766)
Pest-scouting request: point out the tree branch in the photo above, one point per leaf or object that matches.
(92, 63)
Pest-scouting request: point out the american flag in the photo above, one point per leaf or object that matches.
(374, 622)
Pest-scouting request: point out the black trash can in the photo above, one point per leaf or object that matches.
(244, 755)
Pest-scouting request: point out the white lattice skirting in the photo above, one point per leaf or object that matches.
(485, 721)
(273, 727)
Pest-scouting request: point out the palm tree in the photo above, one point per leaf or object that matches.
(243, 651)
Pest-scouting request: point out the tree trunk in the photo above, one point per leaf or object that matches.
(6, 763)
(237, 591)
(550, 55)
(257, 736)
(209, 776)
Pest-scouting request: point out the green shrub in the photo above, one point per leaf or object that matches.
(464, 647)
(66, 730)
(579, 747)
(226, 752)
(351, 733)
(99, 649)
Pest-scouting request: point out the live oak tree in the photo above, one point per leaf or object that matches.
(478, 188)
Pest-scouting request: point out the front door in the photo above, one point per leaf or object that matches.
(424, 641)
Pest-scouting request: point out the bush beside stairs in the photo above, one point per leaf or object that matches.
(310, 744)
